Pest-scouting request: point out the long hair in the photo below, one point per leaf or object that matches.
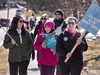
(13, 27)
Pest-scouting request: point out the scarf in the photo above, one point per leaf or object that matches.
(58, 22)
(19, 32)
(45, 35)
(72, 33)
(40, 29)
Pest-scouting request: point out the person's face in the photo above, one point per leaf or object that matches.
(72, 25)
(57, 16)
(43, 19)
(47, 29)
(25, 26)
(20, 23)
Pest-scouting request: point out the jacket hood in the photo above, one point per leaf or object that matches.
(50, 24)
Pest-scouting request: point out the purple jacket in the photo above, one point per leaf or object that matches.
(46, 56)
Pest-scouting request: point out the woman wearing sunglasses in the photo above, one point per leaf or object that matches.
(65, 43)
(18, 55)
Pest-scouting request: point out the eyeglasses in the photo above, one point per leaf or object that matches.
(71, 23)
(57, 14)
(21, 21)
(43, 18)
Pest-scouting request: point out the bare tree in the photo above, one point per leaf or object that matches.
(68, 6)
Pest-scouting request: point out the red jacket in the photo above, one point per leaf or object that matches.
(46, 56)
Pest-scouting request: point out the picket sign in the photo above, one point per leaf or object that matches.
(90, 22)
(7, 33)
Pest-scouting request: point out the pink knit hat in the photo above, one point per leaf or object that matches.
(50, 24)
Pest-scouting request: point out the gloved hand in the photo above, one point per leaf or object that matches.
(44, 44)
(53, 49)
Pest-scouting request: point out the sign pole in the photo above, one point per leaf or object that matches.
(7, 34)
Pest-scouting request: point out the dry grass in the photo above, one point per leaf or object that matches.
(3, 61)
(47, 12)
(92, 58)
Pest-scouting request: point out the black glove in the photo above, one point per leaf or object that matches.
(44, 44)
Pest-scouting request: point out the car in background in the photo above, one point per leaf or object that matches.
(4, 22)
(19, 11)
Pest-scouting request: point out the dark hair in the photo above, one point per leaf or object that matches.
(26, 22)
(14, 24)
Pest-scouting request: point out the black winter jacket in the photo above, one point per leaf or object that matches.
(36, 29)
(65, 43)
(59, 22)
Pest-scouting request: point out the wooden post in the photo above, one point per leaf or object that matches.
(75, 46)
(7, 34)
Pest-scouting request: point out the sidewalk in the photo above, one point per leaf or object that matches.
(33, 69)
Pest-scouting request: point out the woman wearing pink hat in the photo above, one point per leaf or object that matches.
(46, 44)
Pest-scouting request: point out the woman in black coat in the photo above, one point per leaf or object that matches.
(65, 43)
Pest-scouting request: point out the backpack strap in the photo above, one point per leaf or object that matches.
(56, 37)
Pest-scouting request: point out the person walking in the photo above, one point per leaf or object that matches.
(18, 55)
(27, 28)
(40, 25)
(59, 22)
(65, 43)
(47, 53)
(60, 26)
(32, 21)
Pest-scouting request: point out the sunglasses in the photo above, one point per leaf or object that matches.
(71, 23)
(21, 21)
(43, 18)
(57, 14)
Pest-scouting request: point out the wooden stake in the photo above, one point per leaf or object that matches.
(7, 34)
(75, 46)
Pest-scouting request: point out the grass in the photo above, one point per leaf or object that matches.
(3, 61)
(43, 12)
(92, 58)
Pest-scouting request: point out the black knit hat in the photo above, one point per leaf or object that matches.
(59, 11)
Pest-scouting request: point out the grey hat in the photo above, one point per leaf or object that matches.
(59, 11)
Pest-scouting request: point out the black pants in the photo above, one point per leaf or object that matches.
(70, 69)
(22, 66)
(57, 71)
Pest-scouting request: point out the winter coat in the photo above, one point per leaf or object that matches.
(37, 30)
(46, 56)
(21, 52)
(32, 24)
(60, 25)
(65, 43)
